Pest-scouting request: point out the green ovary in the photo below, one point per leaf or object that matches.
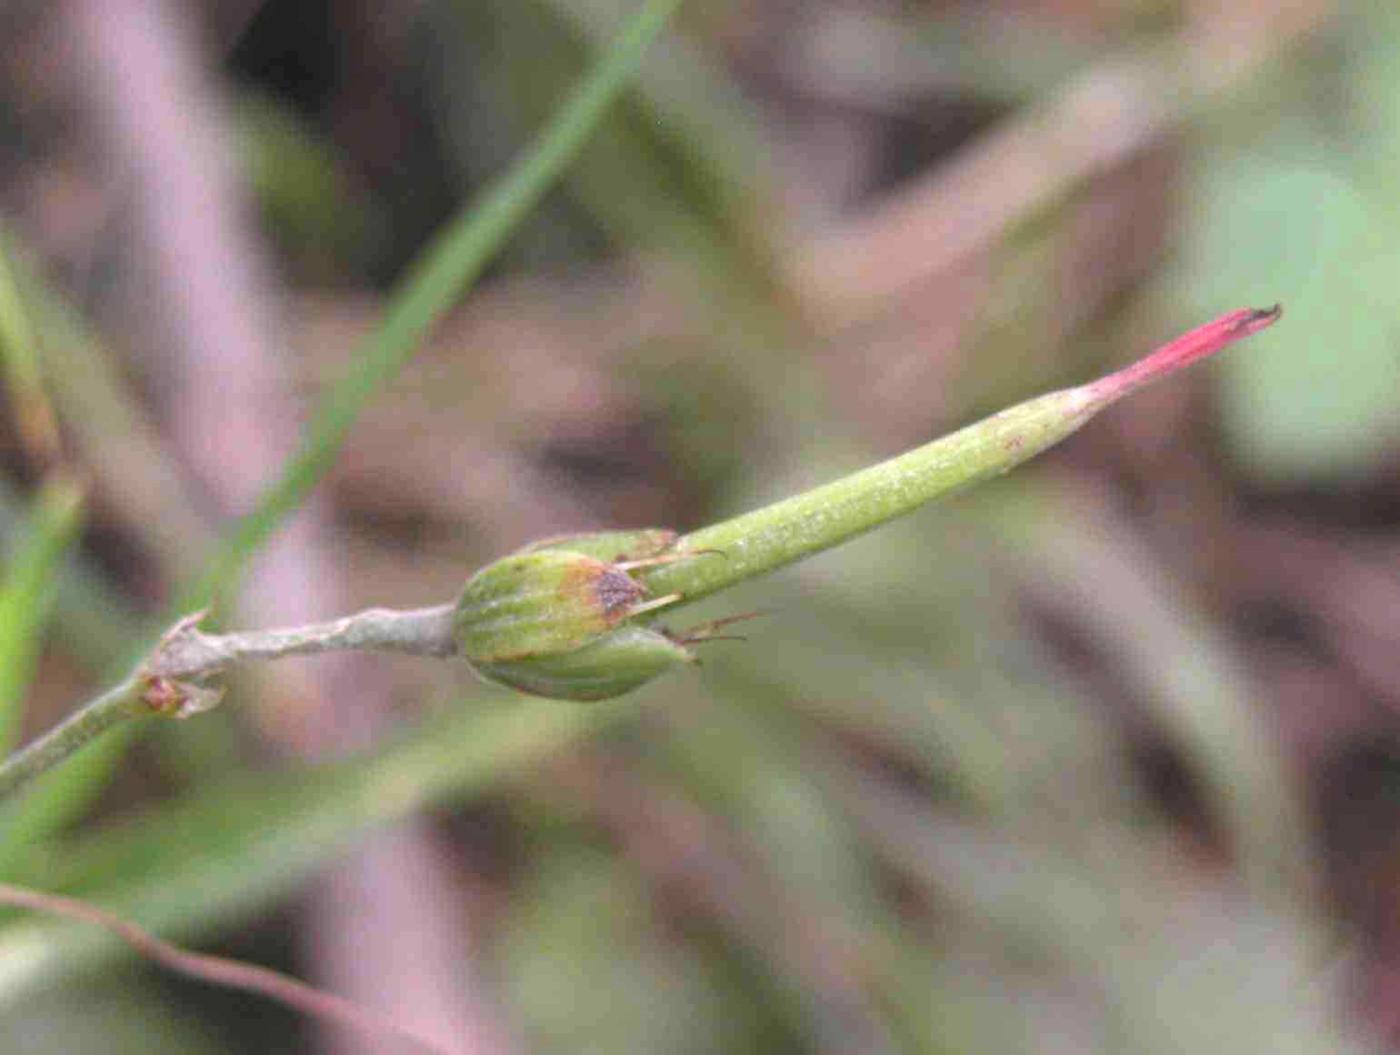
(614, 664)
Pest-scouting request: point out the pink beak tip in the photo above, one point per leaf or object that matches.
(1258, 319)
(1183, 351)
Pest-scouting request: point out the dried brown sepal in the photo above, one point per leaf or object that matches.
(172, 698)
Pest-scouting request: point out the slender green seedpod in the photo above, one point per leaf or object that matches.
(566, 617)
(615, 546)
(786, 531)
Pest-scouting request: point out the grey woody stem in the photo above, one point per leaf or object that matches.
(171, 680)
(187, 653)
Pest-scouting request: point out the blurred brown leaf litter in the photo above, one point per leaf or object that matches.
(1101, 757)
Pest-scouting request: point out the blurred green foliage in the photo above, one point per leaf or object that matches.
(1298, 204)
(903, 815)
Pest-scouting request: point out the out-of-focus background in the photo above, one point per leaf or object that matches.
(1102, 757)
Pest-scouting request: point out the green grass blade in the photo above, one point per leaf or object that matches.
(444, 273)
(97, 620)
(19, 362)
(110, 432)
(26, 593)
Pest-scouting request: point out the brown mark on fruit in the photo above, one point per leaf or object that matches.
(616, 593)
(163, 695)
